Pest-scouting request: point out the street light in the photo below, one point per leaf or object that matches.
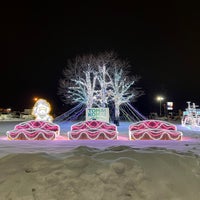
(160, 98)
(35, 99)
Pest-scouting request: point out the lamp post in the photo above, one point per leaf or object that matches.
(160, 98)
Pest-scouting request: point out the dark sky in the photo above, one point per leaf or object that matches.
(161, 42)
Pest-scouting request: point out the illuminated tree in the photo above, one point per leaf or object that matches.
(98, 81)
(122, 90)
(82, 81)
(78, 84)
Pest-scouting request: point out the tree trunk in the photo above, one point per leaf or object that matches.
(116, 121)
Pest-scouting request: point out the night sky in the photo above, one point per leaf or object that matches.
(160, 41)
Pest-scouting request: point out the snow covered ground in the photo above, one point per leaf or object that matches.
(100, 170)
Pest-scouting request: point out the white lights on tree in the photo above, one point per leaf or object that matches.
(41, 110)
(98, 81)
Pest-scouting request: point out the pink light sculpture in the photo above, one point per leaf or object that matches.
(34, 130)
(154, 130)
(93, 130)
(41, 128)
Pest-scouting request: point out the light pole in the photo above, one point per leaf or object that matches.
(160, 98)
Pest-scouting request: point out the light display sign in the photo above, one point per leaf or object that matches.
(101, 114)
(169, 105)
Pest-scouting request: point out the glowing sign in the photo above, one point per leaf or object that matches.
(101, 114)
(169, 105)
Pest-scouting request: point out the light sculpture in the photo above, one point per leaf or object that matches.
(93, 130)
(41, 110)
(191, 116)
(154, 130)
(41, 128)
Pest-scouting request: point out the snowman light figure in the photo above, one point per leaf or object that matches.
(41, 110)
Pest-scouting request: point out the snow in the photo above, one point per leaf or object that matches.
(100, 170)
